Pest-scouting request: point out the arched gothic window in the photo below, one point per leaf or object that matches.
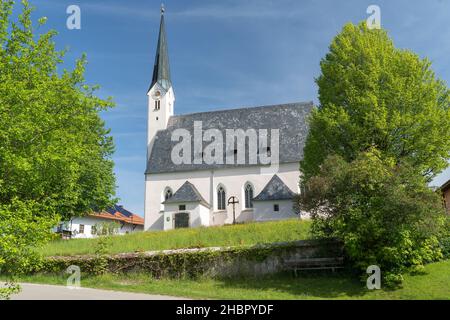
(248, 190)
(168, 194)
(221, 195)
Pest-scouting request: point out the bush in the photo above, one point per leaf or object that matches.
(382, 211)
(23, 227)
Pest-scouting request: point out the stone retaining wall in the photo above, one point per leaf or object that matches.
(214, 262)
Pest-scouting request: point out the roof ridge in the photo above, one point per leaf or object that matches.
(305, 103)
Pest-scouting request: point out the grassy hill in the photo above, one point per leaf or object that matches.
(231, 235)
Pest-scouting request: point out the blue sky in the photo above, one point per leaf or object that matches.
(224, 53)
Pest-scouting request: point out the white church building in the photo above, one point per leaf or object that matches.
(212, 185)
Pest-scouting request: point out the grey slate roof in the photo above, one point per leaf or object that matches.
(187, 193)
(161, 69)
(290, 119)
(276, 189)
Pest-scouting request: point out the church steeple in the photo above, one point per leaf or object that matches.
(161, 98)
(161, 69)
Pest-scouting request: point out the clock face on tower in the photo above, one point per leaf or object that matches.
(157, 94)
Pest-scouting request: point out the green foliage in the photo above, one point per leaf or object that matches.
(376, 140)
(383, 213)
(231, 235)
(54, 148)
(375, 95)
(9, 288)
(23, 226)
(100, 262)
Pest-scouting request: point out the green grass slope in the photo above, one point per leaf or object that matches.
(231, 235)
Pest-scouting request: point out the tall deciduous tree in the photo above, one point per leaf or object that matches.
(55, 152)
(373, 94)
(380, 134)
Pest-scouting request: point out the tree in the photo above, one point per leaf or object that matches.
(374, 95)
(55, 152)
(383, 212)
(378, 137)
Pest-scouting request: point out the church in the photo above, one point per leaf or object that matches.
(194, 178)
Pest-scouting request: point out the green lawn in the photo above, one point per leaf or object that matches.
(232, 235)
(434, 284)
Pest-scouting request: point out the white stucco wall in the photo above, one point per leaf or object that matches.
(207, 182)
(158, 119)
(198, 214)
(204, 215)
(264, 210)
(89, 222)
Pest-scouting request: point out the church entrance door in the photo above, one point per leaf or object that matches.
(182, 220)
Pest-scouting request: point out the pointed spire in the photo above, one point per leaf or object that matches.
(161, 69)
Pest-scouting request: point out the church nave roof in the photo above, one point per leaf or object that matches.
(290, 119)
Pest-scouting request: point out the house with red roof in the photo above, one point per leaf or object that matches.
(116, 220)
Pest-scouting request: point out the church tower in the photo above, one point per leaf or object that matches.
(161, 97)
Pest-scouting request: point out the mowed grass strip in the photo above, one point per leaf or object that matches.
(230, 235)
(433, 284)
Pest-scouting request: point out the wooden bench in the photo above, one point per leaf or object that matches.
(314, 264)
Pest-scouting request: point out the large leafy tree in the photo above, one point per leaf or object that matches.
(379, 135)
(373, 94)
(54, 148)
